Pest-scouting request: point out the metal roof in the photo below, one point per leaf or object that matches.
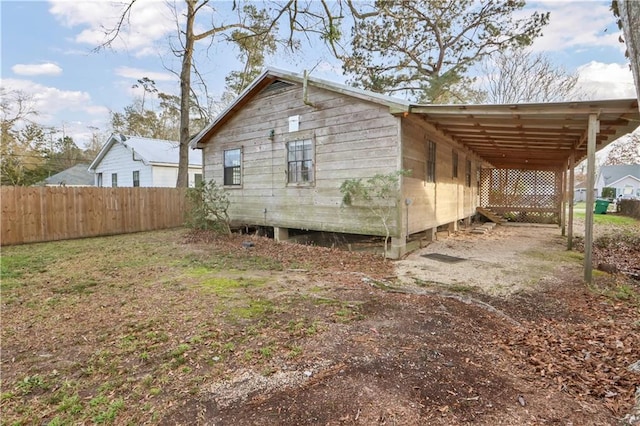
(271, 75)
(519, 136)
(150, 151)
(612, 174)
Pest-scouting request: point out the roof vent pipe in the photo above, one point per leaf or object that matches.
(305, 90)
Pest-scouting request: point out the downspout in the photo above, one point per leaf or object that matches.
(305, 90)
(133, 156)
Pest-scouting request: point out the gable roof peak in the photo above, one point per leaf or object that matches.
(148, 150)
(272, 74)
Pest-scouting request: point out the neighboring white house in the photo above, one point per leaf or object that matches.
(128, 161)
(624, 178)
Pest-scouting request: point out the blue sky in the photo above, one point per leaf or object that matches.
(46, 51)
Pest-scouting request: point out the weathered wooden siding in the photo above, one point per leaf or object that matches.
(446, 200)
(353, 139)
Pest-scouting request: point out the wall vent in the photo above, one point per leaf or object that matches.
(278, 84)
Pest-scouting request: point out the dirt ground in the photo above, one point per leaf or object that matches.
(507, 260)
(451, 343)
(509, 335)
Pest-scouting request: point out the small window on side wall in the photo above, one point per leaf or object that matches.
(232, 167)
(99, 183)
(431, 161)
(454, 162)
(300, 161)
(114, 180)
(136, 178)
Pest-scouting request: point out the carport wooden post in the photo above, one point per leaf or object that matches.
(591, 178)
(563, 201)
(572, 166)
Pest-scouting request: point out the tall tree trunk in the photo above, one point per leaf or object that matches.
(185, 96)
(630, 17)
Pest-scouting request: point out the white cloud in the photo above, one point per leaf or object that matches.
(136, 73)
(576, 25)
(148, 22)
(97, 110)
(48, 101)
(329, 68)
(606, 81)
(37, 69)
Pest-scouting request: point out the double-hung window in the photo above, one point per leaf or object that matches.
(300, 161)
(114, 180)
(454, 162)
(431, 161)
(232, 171)
(136, 178)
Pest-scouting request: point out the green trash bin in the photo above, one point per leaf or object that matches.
(601, 206)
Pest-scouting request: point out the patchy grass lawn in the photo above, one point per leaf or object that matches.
(101, 329)
(609, 219)
(171, 327)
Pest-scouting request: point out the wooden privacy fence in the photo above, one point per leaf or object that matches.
(32, 214)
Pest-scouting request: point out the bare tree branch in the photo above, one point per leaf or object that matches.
(254, 32)
(520, 76)
(113, 33)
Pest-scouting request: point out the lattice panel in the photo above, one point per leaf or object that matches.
(522, 195)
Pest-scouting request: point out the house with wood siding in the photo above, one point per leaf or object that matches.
(132, 161)
(283, 148)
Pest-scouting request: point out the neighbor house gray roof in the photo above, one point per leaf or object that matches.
(612, 174)
(149, 151)
(73, 176)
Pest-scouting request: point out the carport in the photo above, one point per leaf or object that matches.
(530, 152)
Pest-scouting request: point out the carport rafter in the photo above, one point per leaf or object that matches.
(558, 128)
(538, 137)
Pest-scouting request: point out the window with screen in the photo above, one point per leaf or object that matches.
(454, 171)
(300, 161)
(431, 161)
(232, 161)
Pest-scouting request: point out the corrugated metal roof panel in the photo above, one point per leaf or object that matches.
(160, 151)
